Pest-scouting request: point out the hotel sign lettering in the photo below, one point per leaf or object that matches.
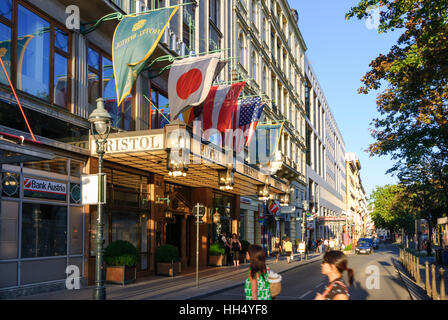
(132, 144)
(210, 153)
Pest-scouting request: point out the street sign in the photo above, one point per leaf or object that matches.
(201, 209)
(90, 189)
(302, 247)
(274, 207)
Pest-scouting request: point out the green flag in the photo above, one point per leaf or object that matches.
(135, 39)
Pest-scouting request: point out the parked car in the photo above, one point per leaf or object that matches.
(369, 240)
(363, 247)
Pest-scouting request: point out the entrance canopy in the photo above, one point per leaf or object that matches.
(148, 150)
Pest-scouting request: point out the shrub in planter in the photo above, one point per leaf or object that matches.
(348, 247)
(217, 249)
(121, 258)
(167, 253)
(217, 254)
(167, 258)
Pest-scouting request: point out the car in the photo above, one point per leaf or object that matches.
(363, 247)
(369, 240)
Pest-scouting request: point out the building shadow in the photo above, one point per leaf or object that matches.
(357, 292)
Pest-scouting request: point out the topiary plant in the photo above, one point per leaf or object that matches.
(216, 249)
(121, 253)
(167, 253)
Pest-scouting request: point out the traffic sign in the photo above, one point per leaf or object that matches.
(201, 209)
(274, 207)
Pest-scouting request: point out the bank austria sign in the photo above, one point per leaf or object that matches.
(35, 188)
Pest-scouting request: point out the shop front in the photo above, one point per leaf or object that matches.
(142, 167)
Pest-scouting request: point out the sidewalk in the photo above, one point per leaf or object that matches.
(418, 292)
(182, 287)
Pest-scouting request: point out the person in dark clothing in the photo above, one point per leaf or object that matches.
(235, 247)
(333, 265)
(428, 247)
(226, 244)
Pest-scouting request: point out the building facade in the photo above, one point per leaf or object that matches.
(325, 164)
(356, 204)
(270, 56)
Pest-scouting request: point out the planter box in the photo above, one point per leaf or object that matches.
(121, 275)
(168, 268)
(217, 261)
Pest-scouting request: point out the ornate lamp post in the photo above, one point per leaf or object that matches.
(100, 122)
(305, 209)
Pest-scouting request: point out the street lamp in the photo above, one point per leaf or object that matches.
(100, 121)
(304, 210)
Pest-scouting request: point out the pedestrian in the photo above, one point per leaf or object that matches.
(235, 248)
(277, 248)
(326, 245)
(333, 266)
(256, 286)
(287, 246)
(225, 242)
(321, 245)
(331, 244)
(428, 247)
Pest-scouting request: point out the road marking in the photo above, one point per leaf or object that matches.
(318, 285)
(305, 294)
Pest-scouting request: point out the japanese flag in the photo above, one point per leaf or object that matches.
(189, 82)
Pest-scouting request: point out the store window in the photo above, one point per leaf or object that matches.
(44, 230)
(5, 50)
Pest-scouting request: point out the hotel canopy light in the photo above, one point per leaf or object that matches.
(226, 179)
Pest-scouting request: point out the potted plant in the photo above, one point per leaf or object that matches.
(348, 248)
(167, 258)
(217, 255)
(244, 248)
(121, 259)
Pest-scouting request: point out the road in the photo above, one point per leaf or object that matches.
(304, 282)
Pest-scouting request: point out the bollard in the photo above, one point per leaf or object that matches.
(434, 283)
(442, 283)
(413, 266)
(417, 272)
(427, 284)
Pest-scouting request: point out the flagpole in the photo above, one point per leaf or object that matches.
(150, 102)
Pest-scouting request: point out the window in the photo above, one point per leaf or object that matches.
(159, 118)
(40, 63)
(6, 9)
(241, 49)
(5, 50)
(44, 230)
(102, 84)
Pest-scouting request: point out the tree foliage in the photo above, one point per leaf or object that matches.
(393, 208)
(413, 122)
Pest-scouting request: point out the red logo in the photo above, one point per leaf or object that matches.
(274, 207)
(188, 83)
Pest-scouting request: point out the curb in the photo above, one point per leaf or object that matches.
(203, 295)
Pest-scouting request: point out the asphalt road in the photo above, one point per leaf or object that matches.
(375, 279)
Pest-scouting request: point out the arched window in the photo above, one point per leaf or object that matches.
(253, 71)
(241, 49)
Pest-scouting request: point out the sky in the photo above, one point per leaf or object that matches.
(340, 52)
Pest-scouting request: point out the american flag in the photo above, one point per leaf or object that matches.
(246, 115)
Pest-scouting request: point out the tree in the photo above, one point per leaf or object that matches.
(413, 122)
(393, 208)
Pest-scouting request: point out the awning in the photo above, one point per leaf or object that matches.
(15, 153)
(146, 150)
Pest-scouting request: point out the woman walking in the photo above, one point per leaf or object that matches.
(256, 286)
(287, 246)
(277, 248)
(235, 247)
(333, 266)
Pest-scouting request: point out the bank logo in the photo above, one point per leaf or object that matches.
(139, 25)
